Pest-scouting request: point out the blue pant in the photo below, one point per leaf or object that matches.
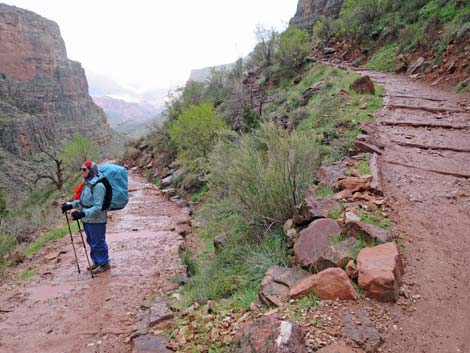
(95, 237)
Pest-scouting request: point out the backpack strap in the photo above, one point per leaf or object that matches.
(108, 195)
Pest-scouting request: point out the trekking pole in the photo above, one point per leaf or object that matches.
(73, 245)
(84, 248)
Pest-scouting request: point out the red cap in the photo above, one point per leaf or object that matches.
(87, 164)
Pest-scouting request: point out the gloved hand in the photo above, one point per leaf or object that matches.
(65, 207)
(78, 215)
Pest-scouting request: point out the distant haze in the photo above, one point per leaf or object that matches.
(144, 44)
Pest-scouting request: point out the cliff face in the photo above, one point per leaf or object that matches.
(309, 10)
(43, 99)
(43, 95)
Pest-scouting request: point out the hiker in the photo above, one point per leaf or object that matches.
(89, 210)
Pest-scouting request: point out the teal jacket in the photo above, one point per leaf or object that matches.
(91, 201)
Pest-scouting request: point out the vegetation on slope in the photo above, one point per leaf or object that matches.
(272, 122)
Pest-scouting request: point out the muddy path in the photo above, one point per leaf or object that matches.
(425, 167)
(59, 310)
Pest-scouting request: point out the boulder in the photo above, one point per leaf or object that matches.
(219, 242)
(329, 174)
(415, 65)
(379, 272)
(274, 288)
(336, 255)
(272, 335)
(313, 240)
(309, 92)
(366, 147)
(363, 84)
(315, 207)
(150, 344)
(358, 328)
(330, 284)
(368, 232)
(354, 184)
(328, 51)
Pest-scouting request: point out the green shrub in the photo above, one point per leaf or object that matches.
(324, 30)
(266, 174)
(294, 47)
(194, 133)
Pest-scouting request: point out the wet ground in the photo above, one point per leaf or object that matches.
(426, 172)
(59, 310)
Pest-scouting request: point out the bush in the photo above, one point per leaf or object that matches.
(194, 133)
(294, 47)
(324, 30)
(358, 18)
(265, 174)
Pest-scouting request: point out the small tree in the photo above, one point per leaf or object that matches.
(266, 47)
(79, 149)
(294, 47)
(195, 133)
(58, 177)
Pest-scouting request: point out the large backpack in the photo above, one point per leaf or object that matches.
(115, 182)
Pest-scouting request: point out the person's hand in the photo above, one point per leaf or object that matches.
(78, 215)
(65, 207)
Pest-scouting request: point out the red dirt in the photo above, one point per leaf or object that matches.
(431, 212)
(59, 310)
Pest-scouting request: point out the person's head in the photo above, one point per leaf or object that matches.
(88, 169)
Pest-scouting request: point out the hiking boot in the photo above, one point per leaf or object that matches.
(92, 267)
(102, 268)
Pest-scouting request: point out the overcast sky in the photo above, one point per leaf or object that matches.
(146, 43)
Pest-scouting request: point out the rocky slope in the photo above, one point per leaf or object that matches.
(43, 95)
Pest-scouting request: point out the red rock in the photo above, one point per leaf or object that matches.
(354, 183)
(366, 147)
(330, 284)
(313, 240)
(336, 255)
(343, 195)
(328, 174)
(274, 288)
(315, 207)
(368, 232)
(272, 335)
(380, 270)
(363, 84)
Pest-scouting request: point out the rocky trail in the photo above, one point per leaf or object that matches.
(424, 138)
(59, 310)
(425, 165)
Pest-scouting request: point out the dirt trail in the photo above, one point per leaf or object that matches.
(61, 311)
(426, 173)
